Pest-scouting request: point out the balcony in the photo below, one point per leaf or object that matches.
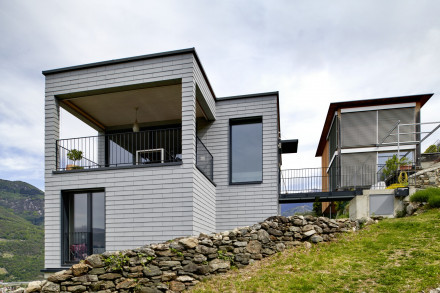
(144, 148)
(334, 184)
(158, 146)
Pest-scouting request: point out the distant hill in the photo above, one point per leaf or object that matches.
(21, 231)
(296, 209)
(24, 199)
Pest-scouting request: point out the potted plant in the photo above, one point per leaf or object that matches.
(391, 165)
(74, 155)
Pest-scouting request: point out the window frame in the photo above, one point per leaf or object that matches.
(241, 121)
(64, 194)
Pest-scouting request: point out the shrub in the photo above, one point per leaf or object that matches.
(432, 149)
(434, 201)
(420, 196)
(429, 195)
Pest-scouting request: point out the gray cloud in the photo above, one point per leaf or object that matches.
(314, 53)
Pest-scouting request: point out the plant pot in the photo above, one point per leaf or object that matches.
(73, 167)
(405, 167)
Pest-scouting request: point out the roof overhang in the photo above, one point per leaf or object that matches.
(334, 107)
(136, 58)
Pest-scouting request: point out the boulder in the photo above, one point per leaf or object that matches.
(217, 264)
(184, 279)
(126, 284)
(190, 242)
(253, 246)
(50, 287)
(309, 233)
(177, 286)
(152, 271)
(274, 232)
(95, 261)
(316, 239)
(109, 276)
(80, 269)
(34, 286)
(76, 289)
(263, 236)
(60, 276)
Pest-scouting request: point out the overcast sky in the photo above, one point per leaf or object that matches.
(312, 52)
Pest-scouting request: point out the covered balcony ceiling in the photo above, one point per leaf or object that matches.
(117, 109)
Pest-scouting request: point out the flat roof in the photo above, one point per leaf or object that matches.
(135, 58)
(364, 103)
(257, 95)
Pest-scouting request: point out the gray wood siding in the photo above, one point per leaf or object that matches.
(143, 205)
(240, 205)
(204, 209)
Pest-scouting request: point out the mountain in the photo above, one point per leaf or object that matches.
(296, 209)
(23, 199)
(21, 231)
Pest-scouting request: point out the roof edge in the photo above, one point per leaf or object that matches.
(136, 58)
(118, 61)
(256, 95)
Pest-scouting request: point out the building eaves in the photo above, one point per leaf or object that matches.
(334, 107)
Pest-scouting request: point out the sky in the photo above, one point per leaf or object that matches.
(312, 52)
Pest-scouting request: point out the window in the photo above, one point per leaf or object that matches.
(83, 225)
(246, 151)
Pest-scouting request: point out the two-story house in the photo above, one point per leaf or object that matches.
(358, 137)
(169, 159)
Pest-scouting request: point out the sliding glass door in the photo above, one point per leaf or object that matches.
(83, 225)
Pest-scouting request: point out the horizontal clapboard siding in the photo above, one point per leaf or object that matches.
(240, 205)
(143, 205)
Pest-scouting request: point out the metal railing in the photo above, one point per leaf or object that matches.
(120, 149)
(324, 179)
(204, 160)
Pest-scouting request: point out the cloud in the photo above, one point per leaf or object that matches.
(313, 53)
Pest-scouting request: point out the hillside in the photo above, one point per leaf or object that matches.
(395, 255)
(21, 231)
(296, 209)
(24, 199)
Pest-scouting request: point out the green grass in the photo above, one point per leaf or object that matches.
(396, 255)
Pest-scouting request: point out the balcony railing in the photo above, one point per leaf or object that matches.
(324, 179)
(121, 149)
(204, 160)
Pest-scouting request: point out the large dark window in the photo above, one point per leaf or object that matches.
(83, 225)
(246, 151)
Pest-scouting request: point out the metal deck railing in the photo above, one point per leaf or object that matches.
(120, 149)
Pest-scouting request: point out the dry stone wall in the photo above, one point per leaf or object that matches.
(429, 177)
(181, 263)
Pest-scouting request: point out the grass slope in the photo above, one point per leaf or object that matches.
(396, 255)
(21, 248)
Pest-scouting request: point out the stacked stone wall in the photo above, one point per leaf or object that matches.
(181, 263)
(429, 177)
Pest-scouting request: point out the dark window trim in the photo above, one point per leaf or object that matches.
(62, 215)
(240, 121)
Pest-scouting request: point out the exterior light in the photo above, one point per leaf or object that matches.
(136, 125)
